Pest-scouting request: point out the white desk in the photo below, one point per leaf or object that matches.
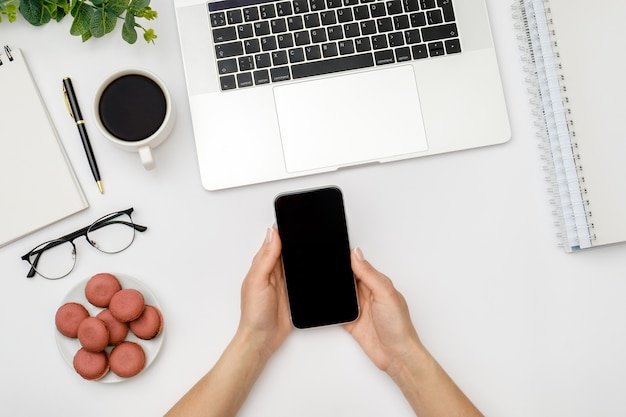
(523, 328)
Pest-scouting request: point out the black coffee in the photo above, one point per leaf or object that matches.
(132, 107)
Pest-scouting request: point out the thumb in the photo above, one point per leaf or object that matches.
(369, 276)
(265, 259)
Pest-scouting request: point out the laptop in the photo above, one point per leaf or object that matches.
(285, 88)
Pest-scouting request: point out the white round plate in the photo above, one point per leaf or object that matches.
(68, 346)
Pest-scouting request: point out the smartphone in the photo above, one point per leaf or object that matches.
(316, 257)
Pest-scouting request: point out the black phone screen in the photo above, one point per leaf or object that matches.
(316, 257)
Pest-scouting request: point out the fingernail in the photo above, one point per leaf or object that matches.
(359, 254)
(269, 235)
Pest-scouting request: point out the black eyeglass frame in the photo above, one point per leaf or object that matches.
(103, 221)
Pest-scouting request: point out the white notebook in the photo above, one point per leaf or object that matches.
(37, 183)
(574, 58)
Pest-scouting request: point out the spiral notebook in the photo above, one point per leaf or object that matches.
(574, 58)
(37, 182)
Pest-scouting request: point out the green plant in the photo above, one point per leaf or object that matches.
(92, 18)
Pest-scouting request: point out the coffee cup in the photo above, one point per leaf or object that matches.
(133, 109)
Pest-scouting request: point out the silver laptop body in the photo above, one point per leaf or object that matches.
(254, 124)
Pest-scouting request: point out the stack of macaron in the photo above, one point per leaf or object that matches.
(123, 310)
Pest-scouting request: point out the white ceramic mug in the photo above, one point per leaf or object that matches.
(132, 113)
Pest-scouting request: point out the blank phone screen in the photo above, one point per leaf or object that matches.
(316, 257)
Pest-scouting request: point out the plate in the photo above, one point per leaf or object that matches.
(68, 346)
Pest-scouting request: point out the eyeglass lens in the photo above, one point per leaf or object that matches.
(56, 260)
(112, 233)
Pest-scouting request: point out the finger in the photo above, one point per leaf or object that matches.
(369, 276)
(266, 258)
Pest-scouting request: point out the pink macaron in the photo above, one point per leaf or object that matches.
(93, 334)
(117, 330)
(91, 365)
(68, 317)
(127, 305)
(127, 359)
(100, 289)
(149, 324)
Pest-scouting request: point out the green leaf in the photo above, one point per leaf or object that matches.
(118, 6)
(102, 22)
(129, 33)
(149, 35)
(34, 12)
(9, 9)
(82, 20)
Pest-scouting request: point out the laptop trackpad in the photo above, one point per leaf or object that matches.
(350, 119)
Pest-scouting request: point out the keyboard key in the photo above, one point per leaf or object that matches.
(252, 46)
(411, 6)
(446, 7)
(302, 38)
(333, 3)
(436, 49)
(384, 57)
(401, 22)
(403, 54)
(350, 2)
(453, 46)
(267, 11)
(418, 19)
(318, 35)
(245, 31)
(279, 25)
(284, 8)
(261, 77)
(300, 6)
(234, 16)
(285, 40)
(296, 55)
(228, 82)
(311, 20)
(434, 33)
(268, 43)
(332, 65)
(394, 7)
(328, 17)
(427, 4)
(250, 14)
(434, 17)
(279, 58)
(379, 42)
(344, 15)
(227, 66)
(368, 27)
(395, 39)
(262, 60)
(218, 19)
(329, 50)
(346, 47)
(226, 50)
(335, 33)
(419, 51)
(244, 80)
(361, 12)
(384, 24)
(312, 52)
(261, 28)
(351, 30)
(280, 74)
(363, 44)
(246, 63)
(317, 4)
(377, 9)
(295, 23)
(224, 34)
(412, 36)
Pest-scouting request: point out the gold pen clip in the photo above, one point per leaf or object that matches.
(67, 103)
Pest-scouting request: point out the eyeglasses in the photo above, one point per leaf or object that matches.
(112, 233)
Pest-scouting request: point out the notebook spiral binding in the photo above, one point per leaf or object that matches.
(561, 161)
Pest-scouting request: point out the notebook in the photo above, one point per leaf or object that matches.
(576, 74)
(37, 183)
(284, 88)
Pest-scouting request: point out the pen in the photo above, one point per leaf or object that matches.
(74, 110)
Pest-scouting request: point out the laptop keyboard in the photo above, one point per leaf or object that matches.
(270, 41)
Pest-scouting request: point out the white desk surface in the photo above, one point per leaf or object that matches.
(522, 327)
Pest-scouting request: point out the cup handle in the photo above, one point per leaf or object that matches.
(146, 157)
